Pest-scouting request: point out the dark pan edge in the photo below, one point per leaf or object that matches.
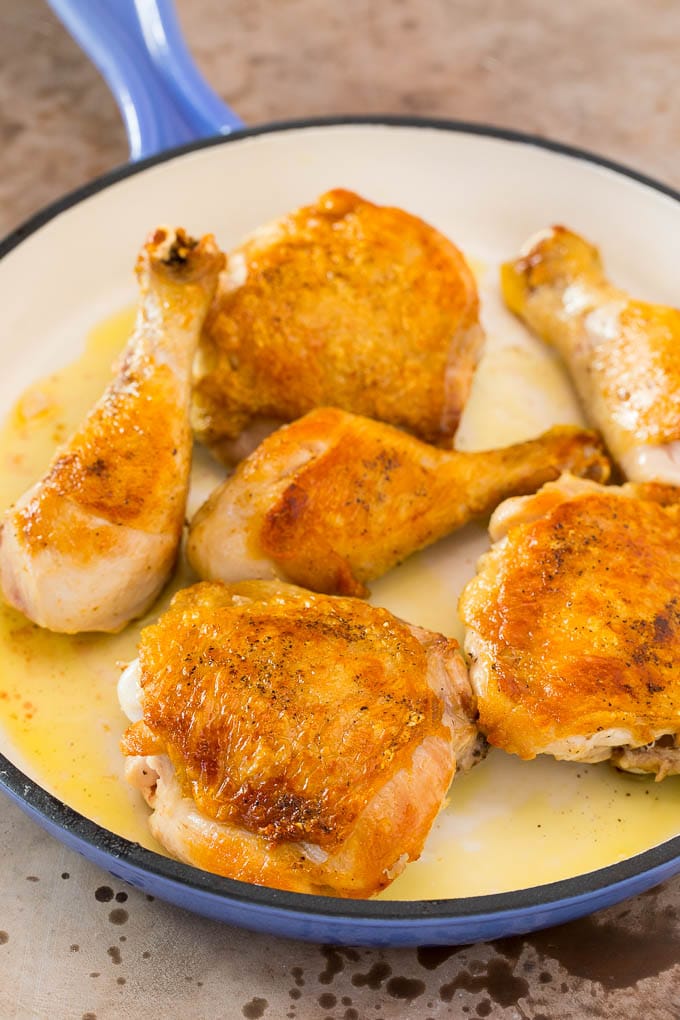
(49, 212)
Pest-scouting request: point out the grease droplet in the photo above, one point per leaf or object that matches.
(431, 957)
(499, 980)
(295, 993)
(75, 948)
(404, 988)
(254, 1009)
(121, 897)
(4, 938)
(120, 981)
(297, 973)
(484, 1007)
(32, 878)
(65, 874)
(118, 916)
(334, 965)
(334, 961)
(327, 1000)
(612, 955)
(114, 953)
(374, 977)
(104, 894)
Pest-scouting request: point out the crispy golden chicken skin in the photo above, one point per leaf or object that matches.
(574, 626)
(334, 499)
(295, 740)
(92, 543)
(622, 353)
(342, 302)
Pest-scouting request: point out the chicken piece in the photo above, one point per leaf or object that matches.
(92, 543)
(294, 740)
(334, 500)
(622, 353)
(342, 302)
(574, 626)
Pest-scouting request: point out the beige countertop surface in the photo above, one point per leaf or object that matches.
(76, 943)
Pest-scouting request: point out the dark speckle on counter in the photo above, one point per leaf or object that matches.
(405, 988)
(432, 957)
(115, 954)
(498, 980)
(335, 961)
(374, 977)
(255, 1009)
(609, 954)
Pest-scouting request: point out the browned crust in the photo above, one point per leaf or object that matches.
(284, 713)
(352, 304)
(579, 612)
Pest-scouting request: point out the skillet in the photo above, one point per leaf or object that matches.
(193, 163)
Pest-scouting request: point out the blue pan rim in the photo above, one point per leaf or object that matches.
(79, 830)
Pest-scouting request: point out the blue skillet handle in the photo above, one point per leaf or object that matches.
(138, 47)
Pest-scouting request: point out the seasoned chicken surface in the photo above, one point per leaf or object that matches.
(92, 543)
(622, 353)
(574, 626)
(342, 302)
(294, 740)
(334, 499)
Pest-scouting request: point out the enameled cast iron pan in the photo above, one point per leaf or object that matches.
(192, 164)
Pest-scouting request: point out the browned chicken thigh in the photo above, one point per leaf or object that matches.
(294, 740)
(92, 543)
(342, 302)
(623, 354)
(334, 500)
(574, 626)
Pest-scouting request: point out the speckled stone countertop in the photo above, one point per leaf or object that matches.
(74, 943)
